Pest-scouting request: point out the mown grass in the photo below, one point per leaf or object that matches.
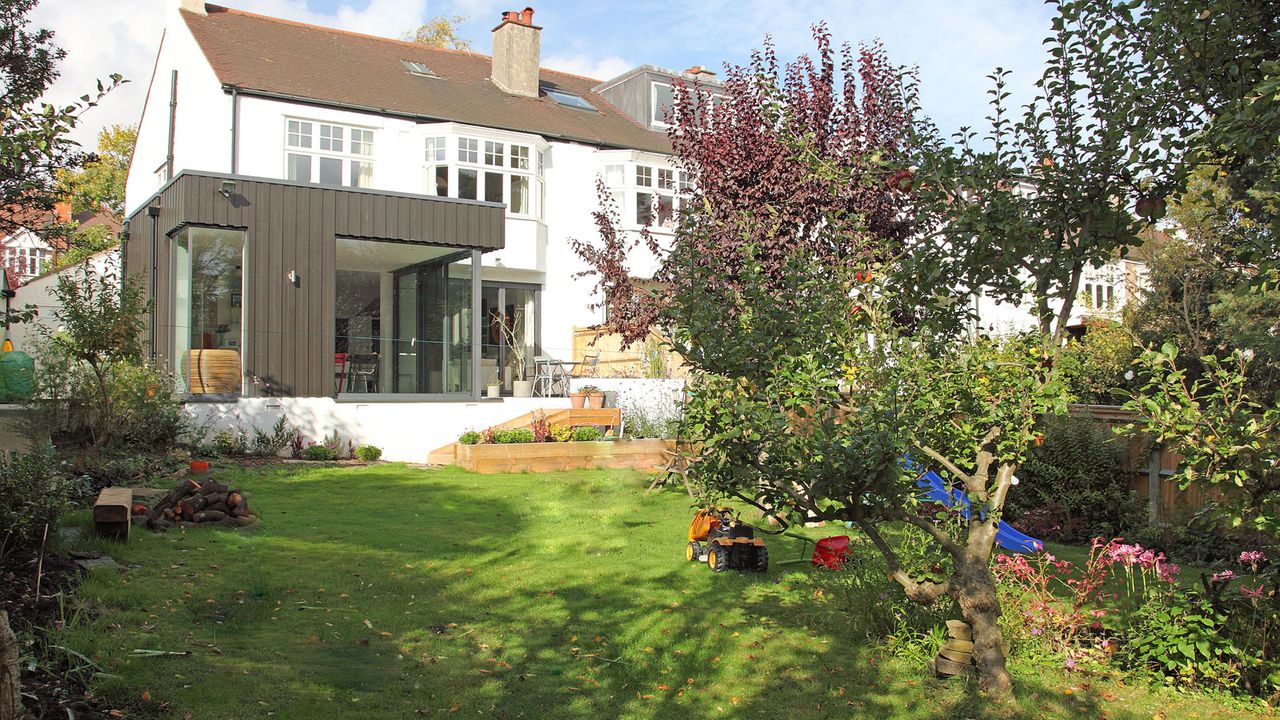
(396, 592)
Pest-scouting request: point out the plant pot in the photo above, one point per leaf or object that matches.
(199, 467)
(493, 392)
(595, 401)
(577, 399)
(522, 388)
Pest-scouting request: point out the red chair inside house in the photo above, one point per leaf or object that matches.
(341, 367)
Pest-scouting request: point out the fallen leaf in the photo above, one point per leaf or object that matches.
(146, 696)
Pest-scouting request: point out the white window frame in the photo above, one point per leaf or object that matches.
(626, 193)
(502, 157)
(318, 132)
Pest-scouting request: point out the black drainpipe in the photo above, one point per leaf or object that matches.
(153, 212)
(173, 121)
(235, 129)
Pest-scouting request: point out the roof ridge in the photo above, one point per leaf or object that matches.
(368, 36)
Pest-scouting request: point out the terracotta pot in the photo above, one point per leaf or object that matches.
(577, 399)
(199, 467)
(595, 401)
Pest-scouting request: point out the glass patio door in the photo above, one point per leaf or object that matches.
(511, 313)
(432, 328)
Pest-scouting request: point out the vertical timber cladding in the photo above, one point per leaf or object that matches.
(290, 227)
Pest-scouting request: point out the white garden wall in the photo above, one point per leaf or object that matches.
(406, 431)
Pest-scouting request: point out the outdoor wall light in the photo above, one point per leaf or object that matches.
(294, 278)
(228, 187)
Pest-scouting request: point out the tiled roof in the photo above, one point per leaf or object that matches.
(281, 57)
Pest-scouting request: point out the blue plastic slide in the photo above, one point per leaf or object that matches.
(1006, 537)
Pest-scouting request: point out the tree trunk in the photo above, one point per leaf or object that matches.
(974, 590)
(10, 691)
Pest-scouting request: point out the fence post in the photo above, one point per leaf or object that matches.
(1153, 486)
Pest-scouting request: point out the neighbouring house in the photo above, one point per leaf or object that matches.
(366, 233)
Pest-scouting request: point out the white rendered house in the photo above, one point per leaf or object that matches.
(279, 106)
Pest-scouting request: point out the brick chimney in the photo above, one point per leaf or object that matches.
(516, 53)
(700, 73)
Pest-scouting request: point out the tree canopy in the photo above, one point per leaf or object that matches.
(440, 31)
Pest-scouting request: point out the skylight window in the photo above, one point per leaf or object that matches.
(568, 99)
(416, 68)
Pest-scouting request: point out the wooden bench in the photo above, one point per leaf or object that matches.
(111, 512)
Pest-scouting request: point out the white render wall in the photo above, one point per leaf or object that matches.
(1127, 278)
(39, 292)
(202, 128)
(406, 431)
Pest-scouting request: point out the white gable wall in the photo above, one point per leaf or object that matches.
(202, 128)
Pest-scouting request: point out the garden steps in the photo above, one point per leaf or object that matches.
(610, 418)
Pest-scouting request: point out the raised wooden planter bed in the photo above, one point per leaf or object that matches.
(553, 457)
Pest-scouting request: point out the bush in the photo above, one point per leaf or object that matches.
(1075, 487)
(320, 453)
(641, 422)
(470, 437)
(145, 415)
(587, 433)
(35, 494)
(561, 433)
(1185, 640)
(368, 453)
(1096, 365)
(271, 444)
(231, 443)
(513, 436)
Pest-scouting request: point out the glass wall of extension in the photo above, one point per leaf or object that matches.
(208, 304)
(403, 319)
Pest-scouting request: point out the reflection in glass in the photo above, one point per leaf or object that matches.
(402, 318)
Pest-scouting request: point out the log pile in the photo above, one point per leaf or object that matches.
(200, 503)
(956, 654)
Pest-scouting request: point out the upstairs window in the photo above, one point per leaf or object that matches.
(646, 195)
(328, 154)
(664, 100)
(468, 150)
(489, 170)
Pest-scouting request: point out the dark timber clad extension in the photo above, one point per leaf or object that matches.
(288, 328)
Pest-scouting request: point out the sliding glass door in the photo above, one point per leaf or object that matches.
(511, 326)
(404, 315)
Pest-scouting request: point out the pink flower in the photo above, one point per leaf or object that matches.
(1252, 593)
(1223, 576)
(1070, 663)
(1252, 557)
(1169, 572)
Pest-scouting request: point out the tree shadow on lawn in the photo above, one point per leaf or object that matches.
(391, 593)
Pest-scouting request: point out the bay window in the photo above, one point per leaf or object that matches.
(328, 154)
(490, 170)
(651, 198)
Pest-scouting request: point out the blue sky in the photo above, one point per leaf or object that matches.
(955, 43)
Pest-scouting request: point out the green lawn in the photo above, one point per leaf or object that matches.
(396, 592)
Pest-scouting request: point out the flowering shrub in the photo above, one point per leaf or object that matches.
(1066, 611)
(1224, 634)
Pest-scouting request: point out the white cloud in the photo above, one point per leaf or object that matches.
(605, 68)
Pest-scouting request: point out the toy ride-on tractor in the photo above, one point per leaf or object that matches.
(719, 539)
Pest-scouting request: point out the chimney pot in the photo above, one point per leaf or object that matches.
(526, 16)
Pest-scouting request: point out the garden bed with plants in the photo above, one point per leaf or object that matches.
(558, 448)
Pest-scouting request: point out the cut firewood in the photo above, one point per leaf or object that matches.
(209, 516)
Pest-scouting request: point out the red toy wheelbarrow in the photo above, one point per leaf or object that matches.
(828, 552)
